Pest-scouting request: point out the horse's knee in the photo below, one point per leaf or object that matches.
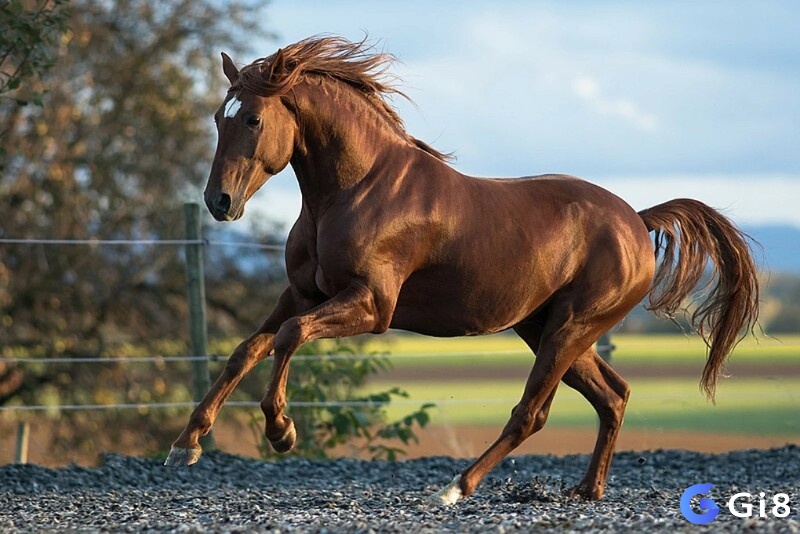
(248, 352)
(290, 335)
(237, 360)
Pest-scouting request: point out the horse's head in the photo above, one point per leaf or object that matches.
(256, 137)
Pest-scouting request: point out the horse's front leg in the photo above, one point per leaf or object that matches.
(186, 449)
(356, 310)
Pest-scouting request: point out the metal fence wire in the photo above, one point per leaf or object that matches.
(193, 240)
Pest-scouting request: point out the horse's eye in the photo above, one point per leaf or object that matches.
(253, 121)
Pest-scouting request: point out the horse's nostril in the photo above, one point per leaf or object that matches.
(223, 203)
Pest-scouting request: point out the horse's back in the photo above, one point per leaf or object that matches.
(516, 242)
(564, 189)
(546, 211)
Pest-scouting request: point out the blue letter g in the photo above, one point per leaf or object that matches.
(708, 507)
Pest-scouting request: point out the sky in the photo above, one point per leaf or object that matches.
(651, 100)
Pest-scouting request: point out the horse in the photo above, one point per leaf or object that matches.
(391, 236)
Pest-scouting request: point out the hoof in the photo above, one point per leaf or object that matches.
(584, 493)
(286, 442)
(181, 457)
(448, 495)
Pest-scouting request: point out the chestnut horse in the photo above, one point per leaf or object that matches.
(390, 236)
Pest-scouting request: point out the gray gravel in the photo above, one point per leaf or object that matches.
(225, 493)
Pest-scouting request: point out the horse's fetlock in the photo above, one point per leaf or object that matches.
(272, 410)
(201, 421)
(467, 486)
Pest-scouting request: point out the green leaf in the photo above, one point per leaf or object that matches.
(341, 423)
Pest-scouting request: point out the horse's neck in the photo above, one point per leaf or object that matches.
(342, 137)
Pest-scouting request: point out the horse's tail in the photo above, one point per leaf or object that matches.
(688, 234)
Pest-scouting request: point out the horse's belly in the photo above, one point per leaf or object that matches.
(441, 306)
(431, 322)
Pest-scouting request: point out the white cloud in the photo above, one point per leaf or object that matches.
(588, 89)
(747, 199)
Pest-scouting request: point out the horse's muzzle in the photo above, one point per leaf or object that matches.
(221, 207)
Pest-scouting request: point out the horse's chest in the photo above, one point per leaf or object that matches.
(309, 278)
(317, 261)
(323, 283)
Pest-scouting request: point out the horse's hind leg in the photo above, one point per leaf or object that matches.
(562, 339)
(608, 394)
(525, 420)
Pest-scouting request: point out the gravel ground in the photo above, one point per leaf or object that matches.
(225, 493)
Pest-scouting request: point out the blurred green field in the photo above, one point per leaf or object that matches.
(759, 406)
(752, 406)
(502, 349)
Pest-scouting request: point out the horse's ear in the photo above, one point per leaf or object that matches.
(229, 69)
(278, 65)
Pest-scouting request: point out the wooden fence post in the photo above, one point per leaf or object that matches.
(604, 347)
(198, 331)
(23, 432)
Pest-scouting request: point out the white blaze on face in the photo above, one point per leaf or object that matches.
(232, 107)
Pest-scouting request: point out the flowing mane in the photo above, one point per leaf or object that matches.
(355, 64)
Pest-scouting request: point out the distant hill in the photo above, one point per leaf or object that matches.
(781, 248)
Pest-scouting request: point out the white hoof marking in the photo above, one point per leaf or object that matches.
(449, 494)
(182, 457)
